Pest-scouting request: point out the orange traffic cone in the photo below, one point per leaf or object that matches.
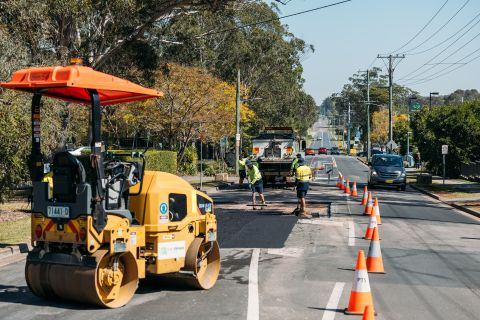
(342, 184)
(371, 225)
(347, 186)
(368, 314)
(369, 206)
(338, 180)
(374, 259)
(354, 189)
(365, 196)
(360, 296)
(376, 211)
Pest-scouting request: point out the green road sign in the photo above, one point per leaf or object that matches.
(415, 106)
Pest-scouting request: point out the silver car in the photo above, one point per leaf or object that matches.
(388, 170)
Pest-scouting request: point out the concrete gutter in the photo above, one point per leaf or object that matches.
(450, 203)
(11, 251)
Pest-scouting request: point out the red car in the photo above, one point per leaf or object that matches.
(322, 151)
(309, 152)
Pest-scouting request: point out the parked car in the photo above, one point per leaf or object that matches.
(309, 152)
(362, 154)
(322, 150)
(387, 169)
(334, 150)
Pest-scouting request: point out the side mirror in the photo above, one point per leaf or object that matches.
(303, 145)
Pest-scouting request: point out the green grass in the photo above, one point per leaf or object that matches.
(12, 232)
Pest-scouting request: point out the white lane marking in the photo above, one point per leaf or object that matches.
(332, 304)
(351, 233)
(253, 312)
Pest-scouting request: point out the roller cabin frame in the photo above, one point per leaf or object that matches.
(94, 253)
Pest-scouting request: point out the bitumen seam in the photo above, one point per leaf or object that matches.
(454, 205)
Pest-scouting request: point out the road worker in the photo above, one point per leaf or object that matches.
(255, 181)
(303, 175)
(294, 165)
(241, 169)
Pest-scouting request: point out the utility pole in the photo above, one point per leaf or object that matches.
(348, 130)
(391, 69)
(237, 136)
(368, 115)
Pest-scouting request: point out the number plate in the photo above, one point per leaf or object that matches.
(58, 212)
(388, 181)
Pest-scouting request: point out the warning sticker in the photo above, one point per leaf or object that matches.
(171, 250)
(163, 213)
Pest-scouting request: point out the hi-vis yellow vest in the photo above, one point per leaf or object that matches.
(303, 174)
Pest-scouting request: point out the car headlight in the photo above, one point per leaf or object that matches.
(374, 173)
(402, 174)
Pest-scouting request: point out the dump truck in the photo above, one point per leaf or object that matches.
(274, 149)
(100, 224)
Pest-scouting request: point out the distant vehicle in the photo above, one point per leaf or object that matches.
(78, 151)
(309, 152)
(387, 169)
(334, 150)
(322, 150)
(376, 151)
(362, 154)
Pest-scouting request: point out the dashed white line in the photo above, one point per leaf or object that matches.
(253, 312)
(351, 233)
(332, 304)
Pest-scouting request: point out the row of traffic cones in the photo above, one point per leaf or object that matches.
(344, 184)
(361, 301)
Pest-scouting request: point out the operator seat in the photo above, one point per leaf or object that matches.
(68, 172)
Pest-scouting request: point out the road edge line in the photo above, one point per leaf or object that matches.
(332, 303)
(253, 311)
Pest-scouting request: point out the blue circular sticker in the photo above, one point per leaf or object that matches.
(163, 208)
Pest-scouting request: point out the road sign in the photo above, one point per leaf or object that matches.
(415, 106)
(445, 149)
(392, 145)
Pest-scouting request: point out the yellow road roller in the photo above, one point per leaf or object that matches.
(102, 223)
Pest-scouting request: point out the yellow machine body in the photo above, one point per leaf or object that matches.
(173, 233)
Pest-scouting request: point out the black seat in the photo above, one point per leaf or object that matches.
(67, 173)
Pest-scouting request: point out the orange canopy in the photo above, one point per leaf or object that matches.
(71, 83)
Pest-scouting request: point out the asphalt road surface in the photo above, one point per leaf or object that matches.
(275, 266)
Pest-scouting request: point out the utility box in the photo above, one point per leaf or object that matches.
(425, 179)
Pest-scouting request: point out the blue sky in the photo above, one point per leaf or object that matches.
(348, 37)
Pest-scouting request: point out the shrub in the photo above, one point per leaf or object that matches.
(189, 163)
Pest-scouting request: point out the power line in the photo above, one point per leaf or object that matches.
(272, 19)
(421, 30)
(441, 28)
(442, 42)
(441, 52)
(438, 74)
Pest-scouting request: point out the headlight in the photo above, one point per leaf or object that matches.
(402, 174)
(374, 173)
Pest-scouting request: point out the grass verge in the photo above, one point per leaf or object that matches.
(13, 232)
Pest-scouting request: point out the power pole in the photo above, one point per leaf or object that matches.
(237, 136)
(391, 69)
(368, 114)
(348, 130)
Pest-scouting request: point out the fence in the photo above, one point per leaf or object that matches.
(470, 171)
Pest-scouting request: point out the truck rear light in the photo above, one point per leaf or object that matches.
(83, 234)
(289, 150)
(256, 150)
(38, 231)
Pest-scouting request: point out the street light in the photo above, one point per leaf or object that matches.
(432, 94)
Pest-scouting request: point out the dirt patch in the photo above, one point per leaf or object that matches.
(14, 211)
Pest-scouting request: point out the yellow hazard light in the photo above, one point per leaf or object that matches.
(289, 150)
(256, 150)
(76, 61)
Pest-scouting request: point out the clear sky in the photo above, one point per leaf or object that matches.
(348, 37)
